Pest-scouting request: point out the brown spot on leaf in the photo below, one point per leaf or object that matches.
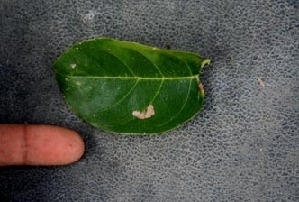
(145, 114)
(201, 87)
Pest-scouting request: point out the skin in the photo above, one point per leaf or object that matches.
(39, 145)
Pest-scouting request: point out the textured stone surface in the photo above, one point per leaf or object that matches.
(243, 146)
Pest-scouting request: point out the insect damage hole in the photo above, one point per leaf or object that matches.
(150, 111)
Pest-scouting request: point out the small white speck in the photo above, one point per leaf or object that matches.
(261, 150)
(154, 48)
(73, 66)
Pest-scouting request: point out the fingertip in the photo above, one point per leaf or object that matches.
(54, 145)
(76, 147)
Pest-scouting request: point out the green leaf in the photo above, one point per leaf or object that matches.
(126, 87)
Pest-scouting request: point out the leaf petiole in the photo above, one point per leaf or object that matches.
(205, 62)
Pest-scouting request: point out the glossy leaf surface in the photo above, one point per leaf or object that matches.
(126, 87)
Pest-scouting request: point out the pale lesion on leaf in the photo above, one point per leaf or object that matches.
(150, 111)
(73, 66)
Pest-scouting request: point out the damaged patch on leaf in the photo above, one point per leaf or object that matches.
(145, 114)
(201, 88)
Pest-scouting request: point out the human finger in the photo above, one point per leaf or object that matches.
(38, 145)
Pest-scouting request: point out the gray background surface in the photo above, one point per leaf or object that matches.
(244, 144)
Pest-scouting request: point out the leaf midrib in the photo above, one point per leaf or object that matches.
(133, 78)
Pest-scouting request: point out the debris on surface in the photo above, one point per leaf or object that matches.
(261, 82)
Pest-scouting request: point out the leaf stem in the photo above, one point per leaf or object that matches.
(205, 62)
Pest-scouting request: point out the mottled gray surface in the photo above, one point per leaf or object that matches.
(243, 146)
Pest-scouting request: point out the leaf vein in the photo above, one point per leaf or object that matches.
(134, 78)
(119, 101)
(150, 62)
(109, 53)
(183, 106)
(185, 63)
(158, 91)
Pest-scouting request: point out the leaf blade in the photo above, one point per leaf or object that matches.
(105, 80)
